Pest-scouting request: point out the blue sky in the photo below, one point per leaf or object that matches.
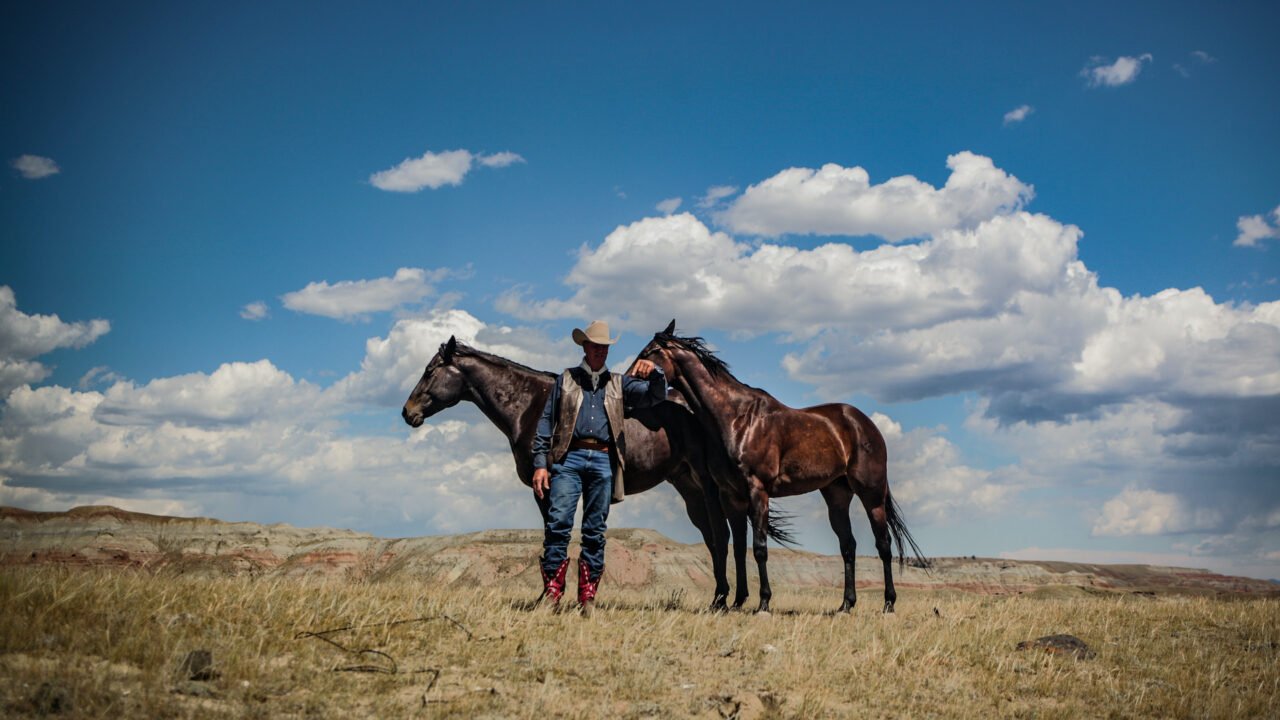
(1038, 242)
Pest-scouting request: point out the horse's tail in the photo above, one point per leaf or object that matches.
(898, 528)
(778, 526)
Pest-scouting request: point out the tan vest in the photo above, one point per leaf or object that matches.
(570, 403)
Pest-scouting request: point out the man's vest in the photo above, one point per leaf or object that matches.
(570, 403)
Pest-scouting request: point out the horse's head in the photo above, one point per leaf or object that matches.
(442, 386)
(659, 350)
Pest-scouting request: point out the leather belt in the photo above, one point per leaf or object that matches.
(588, 444)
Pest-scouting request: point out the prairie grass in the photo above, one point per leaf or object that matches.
(110, 643)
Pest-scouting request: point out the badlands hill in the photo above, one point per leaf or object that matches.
(111, 537)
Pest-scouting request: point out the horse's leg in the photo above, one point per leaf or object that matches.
(760, 540)
(706, 515)
(544, 507)
(877, 513)
(738, 525)
(838, 497)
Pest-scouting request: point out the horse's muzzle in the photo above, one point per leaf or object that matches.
(413, 418)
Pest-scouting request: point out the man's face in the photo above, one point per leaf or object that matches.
(596, 355)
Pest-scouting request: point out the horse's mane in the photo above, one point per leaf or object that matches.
(465, 350)
(697, 346)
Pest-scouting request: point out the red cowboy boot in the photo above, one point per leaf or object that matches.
(554, 584)
(587, 587)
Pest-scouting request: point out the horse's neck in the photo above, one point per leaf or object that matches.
(718, 400)
(503, 392)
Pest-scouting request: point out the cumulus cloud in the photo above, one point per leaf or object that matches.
(1018, 114)
(233, 394)
(1149, 512)
(35, 167)
(934, 483)
(1203, 57)
(1124, 70)
(435, 170)
(25, 337)
(668, 206)
(842, 201)
(355, 298)
(256, 310)
(1255, 228)
(734, 286)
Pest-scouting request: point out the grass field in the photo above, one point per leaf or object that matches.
(111, 643)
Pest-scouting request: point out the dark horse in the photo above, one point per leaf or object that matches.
(664, 442)
(779, 451)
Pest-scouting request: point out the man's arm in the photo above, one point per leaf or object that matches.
(542, 438)
(645, 386)
(542, 443)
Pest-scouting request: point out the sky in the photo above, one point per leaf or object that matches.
(1036, 243)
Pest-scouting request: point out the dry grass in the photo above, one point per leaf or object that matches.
(110, 644)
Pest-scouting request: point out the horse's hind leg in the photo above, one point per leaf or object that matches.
(760, 541)
(838, 497)
(738, 526)
(878, 513)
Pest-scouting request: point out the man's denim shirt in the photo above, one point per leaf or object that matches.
(592, 422)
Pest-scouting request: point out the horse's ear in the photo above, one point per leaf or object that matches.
(450, 347)
(671, 329)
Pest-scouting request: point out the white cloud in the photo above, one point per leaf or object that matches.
(256, 310)
(842, 201)
(1018, 114)
(1123, 71)
(715, 194)
(1149, 512)
(500, 160)
(738, 287)
(354, 298)
(668, 206)
(930, 478)
(235, 394)
(25, 337)
(1203, 57)
(35, 167)
(435, 170)
(1255, 228)
(432, 170)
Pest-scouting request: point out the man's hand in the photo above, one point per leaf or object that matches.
(541, 482)
(642, 369)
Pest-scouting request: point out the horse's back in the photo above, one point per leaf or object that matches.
(855, 428)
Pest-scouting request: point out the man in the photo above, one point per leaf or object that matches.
(579, 452)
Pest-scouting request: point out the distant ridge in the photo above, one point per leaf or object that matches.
(106, 536)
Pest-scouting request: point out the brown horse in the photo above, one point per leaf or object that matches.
(779, 451)
(664, 442)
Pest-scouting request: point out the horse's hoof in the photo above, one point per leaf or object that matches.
(718, 606)
(888, 608)
(845, 609)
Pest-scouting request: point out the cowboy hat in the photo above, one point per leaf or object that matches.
(597, 332)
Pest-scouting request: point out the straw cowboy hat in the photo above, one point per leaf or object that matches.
(597, 332)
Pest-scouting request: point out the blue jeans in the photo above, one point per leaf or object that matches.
(584, 474)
